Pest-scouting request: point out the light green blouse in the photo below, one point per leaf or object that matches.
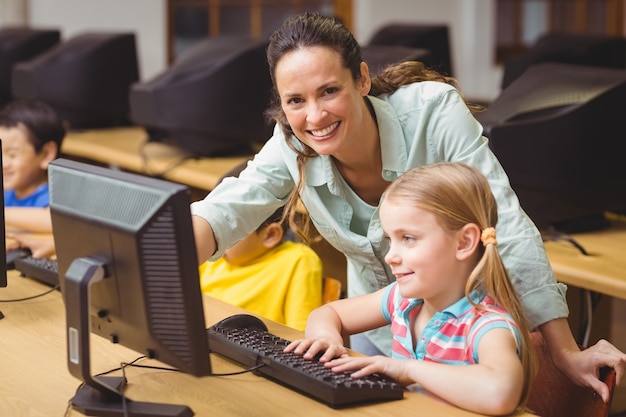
(419, 124)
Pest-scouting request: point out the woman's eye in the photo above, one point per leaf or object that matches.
(294, 100)
(331, 90)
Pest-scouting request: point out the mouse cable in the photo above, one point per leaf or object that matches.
(134, 364)
(14, 300)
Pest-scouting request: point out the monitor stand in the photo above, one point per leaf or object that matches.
(98, 395)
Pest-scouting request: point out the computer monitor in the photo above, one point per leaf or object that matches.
(3, 245)
(19, 44)
(558, 131)
(378, 57)
(433, 37)
(86, 79)
(211, 101)
(568, 48)
(128, 272)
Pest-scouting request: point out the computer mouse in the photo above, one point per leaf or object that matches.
(242, 321)
(13, 254)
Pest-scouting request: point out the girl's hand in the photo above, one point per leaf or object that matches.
(310, 348)
(367, 365)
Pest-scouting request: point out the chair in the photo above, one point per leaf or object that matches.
(331, 290)
(554, 395)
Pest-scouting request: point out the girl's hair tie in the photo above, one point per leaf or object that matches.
(488, 236)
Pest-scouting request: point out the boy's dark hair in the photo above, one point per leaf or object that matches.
(41, 121)
(276, 217)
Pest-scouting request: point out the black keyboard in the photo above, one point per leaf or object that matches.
(253, 346)
(42, 269)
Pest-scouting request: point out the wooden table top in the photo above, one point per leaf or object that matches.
(36, 381)
(128, 148)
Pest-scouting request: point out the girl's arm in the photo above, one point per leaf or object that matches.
(493, 386)
(327, 325)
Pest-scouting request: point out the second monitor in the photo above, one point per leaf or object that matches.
(129, 273)
(558, 132)
(211, 101)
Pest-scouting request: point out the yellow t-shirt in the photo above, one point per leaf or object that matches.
(284, 285)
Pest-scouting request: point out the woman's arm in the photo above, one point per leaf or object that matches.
(204, 237)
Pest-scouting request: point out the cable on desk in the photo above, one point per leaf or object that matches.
(14, 300)
(591, 298)
(134, 364)
(145, 161)
(554, 236)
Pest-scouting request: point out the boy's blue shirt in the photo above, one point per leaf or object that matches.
(40, 198)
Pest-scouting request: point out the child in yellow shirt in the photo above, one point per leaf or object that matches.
(267, 275)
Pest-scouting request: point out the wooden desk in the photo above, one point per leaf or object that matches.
(603, 271)
(36, 382)
(128, 148)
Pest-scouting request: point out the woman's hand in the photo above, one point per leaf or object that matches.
(583, 366)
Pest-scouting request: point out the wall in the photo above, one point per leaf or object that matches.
(12, 12)
(147, 18)
(471, 29)
(472, 35)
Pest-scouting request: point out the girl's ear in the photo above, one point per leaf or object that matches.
(48, 153)
(273, 235)
(468, 240)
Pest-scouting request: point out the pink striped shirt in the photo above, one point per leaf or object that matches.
(451, 336)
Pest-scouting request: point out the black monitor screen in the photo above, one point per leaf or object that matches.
(19, 44)
(211, 101)
(86, 79)
(128, 270)
(3, 253)
(558, 132)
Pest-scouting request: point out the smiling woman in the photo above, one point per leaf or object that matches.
(340, 138)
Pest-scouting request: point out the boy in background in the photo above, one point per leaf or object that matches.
(31, 133)
(267, 275)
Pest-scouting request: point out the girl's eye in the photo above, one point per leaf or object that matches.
(330, 90)
(408, 239)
